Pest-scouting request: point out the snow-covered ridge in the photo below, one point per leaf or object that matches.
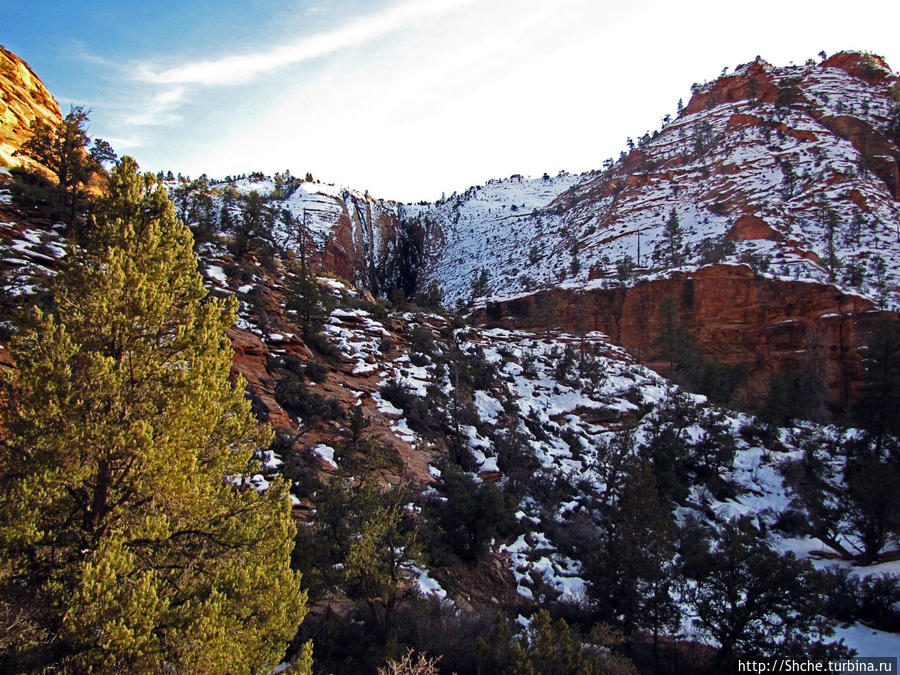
(793, 164)
(804, 154)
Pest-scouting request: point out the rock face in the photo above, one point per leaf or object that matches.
(737, 317)
(792, 172)
(23, 98)
(792, 169)
(789, 171)
(363, 245)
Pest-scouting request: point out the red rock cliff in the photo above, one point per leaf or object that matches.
(737, 317)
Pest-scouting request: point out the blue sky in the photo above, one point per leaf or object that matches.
(405, 98)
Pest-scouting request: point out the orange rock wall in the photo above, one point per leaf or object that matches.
(23, 99)
(736, 316)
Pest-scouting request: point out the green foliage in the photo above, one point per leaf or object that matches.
(548, 647)
(687, 366)
(673, 236)
(195, 206)
(124, 519)
(471, 515)
(252, 230)
(421, 340)
(625, 269)
(717, 380)
(715, 449)
(295, 397)
(748, 601)
(480, 285)
(363, 540)
(630, 566)
(432, 297)
(847, 493)
(675, 343)
(872, 493)
(667, 446)
(421, 413)
(675, 456)
(712, 251)
(358, 423)
(876, 405)
(378, 558)
(874, 600)
(32, 191)
(793, 394)
(63, 149)
(813, 481)
(305, 300)
(515, 458)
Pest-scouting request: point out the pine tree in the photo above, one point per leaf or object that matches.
(747, 599)
(63, 149)
(131, 539)
(672, 236)
(875, 408)
(675, 343)
(304, 297)
(631, 569)
(480, 285)
(378, 559)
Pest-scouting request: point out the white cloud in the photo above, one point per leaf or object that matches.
(432, 96)
(241, 68)
(156, 109)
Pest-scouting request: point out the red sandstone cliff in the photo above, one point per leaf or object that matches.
(736, 315)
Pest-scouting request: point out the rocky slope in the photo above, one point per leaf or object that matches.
(541, 401)
(23, 98)
(796, 167)
(790, 171)
(741, 319)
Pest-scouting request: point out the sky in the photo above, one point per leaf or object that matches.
(408, 99)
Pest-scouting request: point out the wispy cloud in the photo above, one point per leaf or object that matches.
(156, 110)
(242, 68)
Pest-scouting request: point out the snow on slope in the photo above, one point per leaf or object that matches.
(490, 226)
(791, 164)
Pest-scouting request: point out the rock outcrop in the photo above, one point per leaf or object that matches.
(736, 316)
(23, 98)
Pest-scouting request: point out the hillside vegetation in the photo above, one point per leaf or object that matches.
(456, 405)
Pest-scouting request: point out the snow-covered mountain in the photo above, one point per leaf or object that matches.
(793, 170)
(766, 212)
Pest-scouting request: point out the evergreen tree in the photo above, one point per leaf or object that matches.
(547, 647)
(673, 235)
(304, 297)
(480, 285)
(879, 396)
(63, 149)
(872, 500)
(201, 214)
(130, 537)
(816, 490)
(378, 559)
(747, 599)
(252, 232)
(631, 569)
(832, 263)
(469, 515)
(675, 342)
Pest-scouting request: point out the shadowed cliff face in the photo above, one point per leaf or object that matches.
(736, 316)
